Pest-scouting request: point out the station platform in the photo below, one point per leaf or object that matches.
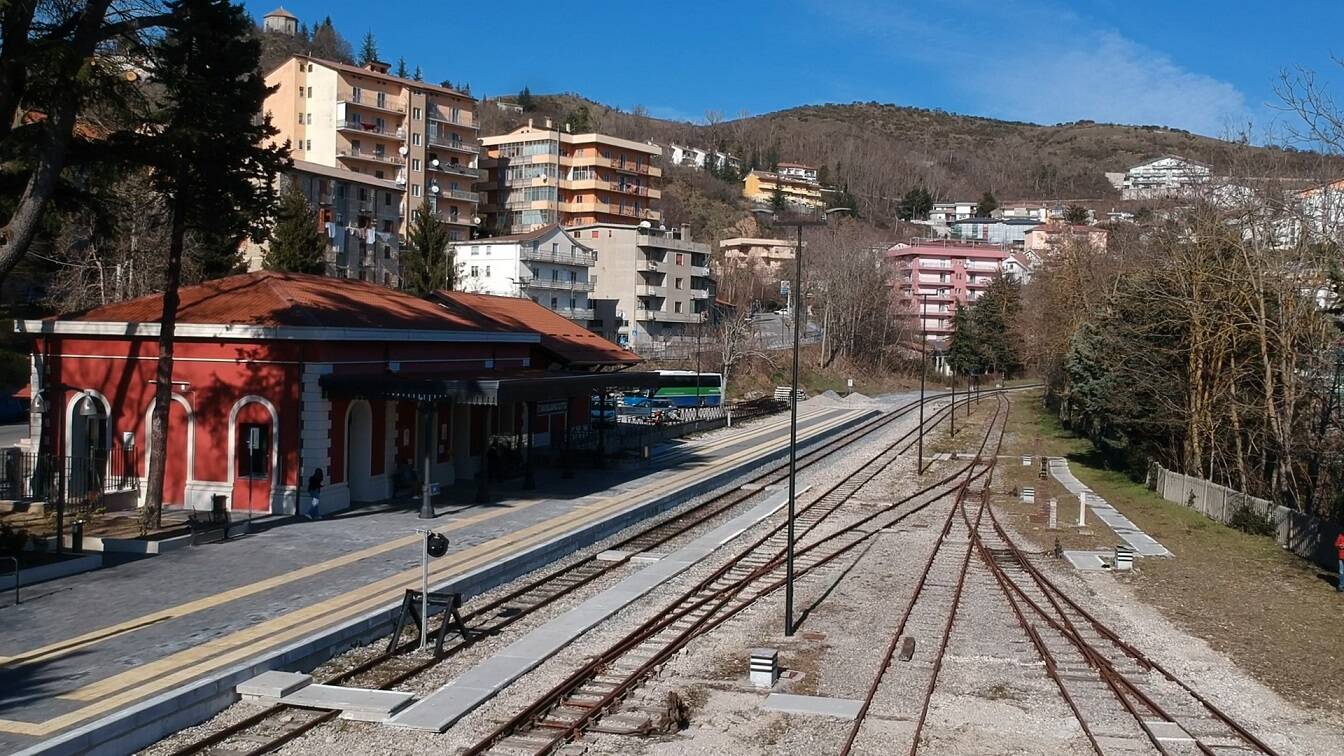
(113, 660)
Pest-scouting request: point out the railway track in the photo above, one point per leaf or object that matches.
(1123, 701)
(276, 725)
(591, 697)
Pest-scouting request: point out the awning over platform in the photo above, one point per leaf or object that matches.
(490, 391)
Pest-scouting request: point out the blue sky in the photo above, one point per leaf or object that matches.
(1209, 67)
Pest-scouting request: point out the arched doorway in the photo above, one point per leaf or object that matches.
(87, 439)
(253, 454)
(359, 451)
(181, 459)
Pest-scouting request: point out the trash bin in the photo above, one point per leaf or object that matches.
(219, 505)
(77, 536)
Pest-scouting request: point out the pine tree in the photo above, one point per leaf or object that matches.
(525, 99)
(368, 50)
(211, 163)
(296, 244)
(426, 263)
(417, 75)
(401, 67)
(986, 205)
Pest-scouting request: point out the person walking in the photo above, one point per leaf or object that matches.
(1339, 547)
(314, 489)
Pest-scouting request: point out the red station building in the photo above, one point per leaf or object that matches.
(277, 374)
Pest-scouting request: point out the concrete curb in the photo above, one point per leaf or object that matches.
(149, 721)
(65, 568)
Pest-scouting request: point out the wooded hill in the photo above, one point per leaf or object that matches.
(882, 151)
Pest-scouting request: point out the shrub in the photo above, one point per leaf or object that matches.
(1248, 520)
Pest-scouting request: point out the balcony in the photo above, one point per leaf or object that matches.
(574, 313)
(444, 216)
(371, 129)
(372, 157)
(653, 266)
(564, 257)
(455, 169)
(448, 144)
(461, 122)
(556, 284)
(669, 317)
(460, 195)
(643, 169)
(700, 270)
(646, 238)
(645, 290)
(699, 293)
(387, 106)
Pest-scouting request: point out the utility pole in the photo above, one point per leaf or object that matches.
(923, 369)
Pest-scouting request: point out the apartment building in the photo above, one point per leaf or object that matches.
(659, 279)
(536, 177)
(768, 256)
(548, 266)
(1009, 231)
(1048, 237)
(358, 215)
(1166, 176)
(947, 212)
(934, 277)
(699, 159)
(369, 125)
(798, 172)
(761, 186)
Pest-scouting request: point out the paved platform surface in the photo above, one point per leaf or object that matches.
(443, 707)
(1143, 544)
(93, 645)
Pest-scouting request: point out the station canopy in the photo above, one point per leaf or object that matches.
(491, 390)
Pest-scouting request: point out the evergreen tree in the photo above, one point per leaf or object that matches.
(579, 121)
(368, 50)
(297, 246)
(401, 67)
(525, 100)
(211, 163)
(916, 204)
(417, 75)
(986, 205)
(1077, 215)
(426, 263)
(963, 348)
(329, 44)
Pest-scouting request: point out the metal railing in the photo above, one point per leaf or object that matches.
(563, 285)
(81, 482)
(568, 258)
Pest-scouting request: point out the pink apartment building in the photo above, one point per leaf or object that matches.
(934, 277)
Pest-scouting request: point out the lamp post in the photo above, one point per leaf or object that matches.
(796, 294)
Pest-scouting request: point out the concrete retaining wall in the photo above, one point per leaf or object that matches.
(1308, 536)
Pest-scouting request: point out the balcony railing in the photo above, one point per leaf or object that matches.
(669, 317)
(448, 144)
(375, 157)
(456, 170)
(565, 257)
(550, 283)
(645, 290)
(459, 194)
(371, 129)
(700, 270)
(574, 313)
(646, 238)
(389, 106)
(700, 293)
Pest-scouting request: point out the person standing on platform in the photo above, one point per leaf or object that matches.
(1339, 548)
(314, 489)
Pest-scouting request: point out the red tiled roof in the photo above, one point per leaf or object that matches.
(567, 340)
(268, 298)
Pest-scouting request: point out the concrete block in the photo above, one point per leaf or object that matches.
(764, 667)
(841, 708)
(354, 703)
(274, 684)
(612, 555)
(1169, 732)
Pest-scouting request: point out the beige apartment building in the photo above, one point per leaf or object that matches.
(535, 177)
(372, 129)
(658, 278)
(768, 256)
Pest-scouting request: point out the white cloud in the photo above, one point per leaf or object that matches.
(1106, 77)
(1040, 61)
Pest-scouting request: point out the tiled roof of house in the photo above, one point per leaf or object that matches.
(572, 343)
(268, 298)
